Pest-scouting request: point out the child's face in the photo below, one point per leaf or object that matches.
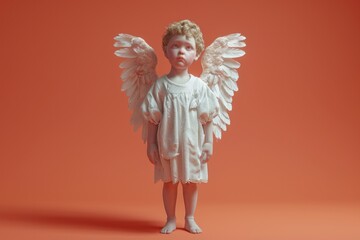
(181, 51)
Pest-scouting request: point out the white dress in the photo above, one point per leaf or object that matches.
(179, 110)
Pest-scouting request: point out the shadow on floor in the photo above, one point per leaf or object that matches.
(80, 220)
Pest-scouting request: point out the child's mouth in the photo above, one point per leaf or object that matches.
(180, 59)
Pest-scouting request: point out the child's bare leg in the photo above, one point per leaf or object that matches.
(190, 193)
(169, 198)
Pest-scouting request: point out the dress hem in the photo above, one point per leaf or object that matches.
(183, 182)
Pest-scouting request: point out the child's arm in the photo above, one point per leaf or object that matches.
(207, 149)
(152, 148)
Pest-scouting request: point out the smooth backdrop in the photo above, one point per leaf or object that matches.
(65, 136)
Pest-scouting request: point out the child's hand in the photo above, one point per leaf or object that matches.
(207, 151)
(153, 153)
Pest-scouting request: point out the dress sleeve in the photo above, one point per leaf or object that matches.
(208, 107)
(151, 107)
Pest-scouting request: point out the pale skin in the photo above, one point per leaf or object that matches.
(181, 53)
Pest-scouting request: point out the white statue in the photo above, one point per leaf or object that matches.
(178, 112)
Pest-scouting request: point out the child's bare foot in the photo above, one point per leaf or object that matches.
(169, 227)
(191, 226)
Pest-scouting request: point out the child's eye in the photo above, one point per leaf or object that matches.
(189, 48)
(175, 45)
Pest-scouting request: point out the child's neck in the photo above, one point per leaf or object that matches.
(178, 76)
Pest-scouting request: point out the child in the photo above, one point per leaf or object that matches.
(180, 108)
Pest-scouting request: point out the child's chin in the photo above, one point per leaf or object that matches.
(181, 65)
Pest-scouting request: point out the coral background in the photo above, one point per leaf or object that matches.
(65, 133)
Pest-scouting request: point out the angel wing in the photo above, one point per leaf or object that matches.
(220, 73)
(138, 74)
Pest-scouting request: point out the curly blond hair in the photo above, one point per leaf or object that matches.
(187, 28)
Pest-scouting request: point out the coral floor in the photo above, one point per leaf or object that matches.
(253, 222)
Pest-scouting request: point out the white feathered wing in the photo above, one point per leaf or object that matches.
(220, 73)
(138, 74)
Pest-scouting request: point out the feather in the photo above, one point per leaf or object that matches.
(233, 53)
(224, 103)
(226, 90)
(241, 38)
(223, 126)
(216, 90)
(136, 120)
(126, 53)
(224, 118)
(124, 37)
(122, 40)
(236, 43)
(144, 131)
(127, 84)
(121, 43)
(128, 73)
(231, 84)
(235, 40)
(128, 63)
(233, 36)
(217, 131)
(228, 72)
(130, 91)
(231, 63)
(227, 97)
(133, 100)
(217, 121)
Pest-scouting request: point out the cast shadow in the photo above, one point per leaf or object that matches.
(80, 220)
